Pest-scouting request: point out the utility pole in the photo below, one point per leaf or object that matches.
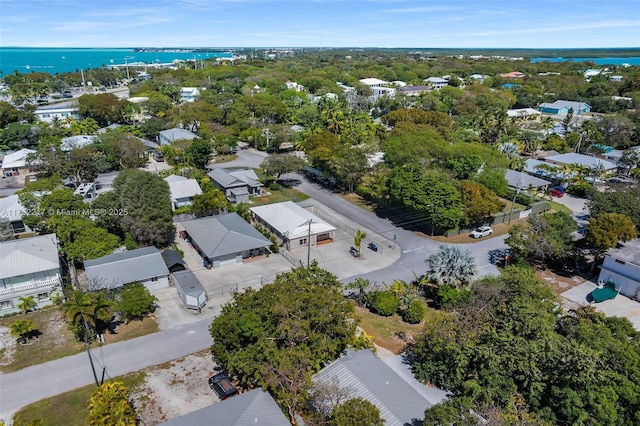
(514, 199)
(309, 243)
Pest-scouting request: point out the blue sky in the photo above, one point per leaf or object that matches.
(327, 23)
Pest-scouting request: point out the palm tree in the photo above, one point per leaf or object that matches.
(27, 304)
(82, 310)
(23, 330)
(452, 265)
(357, 239)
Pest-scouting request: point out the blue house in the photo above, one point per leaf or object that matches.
(560, 107)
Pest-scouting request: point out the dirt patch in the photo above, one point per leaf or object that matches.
(174, 389)
(559, 283)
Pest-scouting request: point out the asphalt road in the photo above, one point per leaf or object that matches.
(51, 378)
(35, 383)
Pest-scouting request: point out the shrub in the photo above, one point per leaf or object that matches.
(415, 312)
(383, 303)
(449, 296)
(274, 186)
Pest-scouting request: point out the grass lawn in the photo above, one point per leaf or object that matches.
(384, 329)
(69, 408)
(354, 198)
(557, 207)
(278, 196)
(56, 341)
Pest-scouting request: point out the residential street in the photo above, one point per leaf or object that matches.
(35, 383)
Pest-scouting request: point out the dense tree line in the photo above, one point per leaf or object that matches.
(509, 346)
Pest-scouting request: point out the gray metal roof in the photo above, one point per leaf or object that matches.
(118, 269)
(224, 234)
(29, 255)
(252, 408)
(370, 378)
(172, 258)
(225, 179)
(628, 251)
(584, 160)
(188, 283)
(176, 134)
(523, 180)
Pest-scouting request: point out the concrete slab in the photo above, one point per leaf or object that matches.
(621, 306)
(220, 283)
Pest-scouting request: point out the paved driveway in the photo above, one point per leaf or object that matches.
(621, 306)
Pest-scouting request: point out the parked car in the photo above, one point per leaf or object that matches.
(222, 386)
(622, 179)
(557, 192)
(33, 178)
(158, 156)
(483, 231)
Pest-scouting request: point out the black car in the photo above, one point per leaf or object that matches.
(222, 386)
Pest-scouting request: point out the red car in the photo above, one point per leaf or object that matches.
(557, 192)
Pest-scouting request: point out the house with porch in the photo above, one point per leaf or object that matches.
(237, 185)
(436, 83)
(294, 225)
(29, 267)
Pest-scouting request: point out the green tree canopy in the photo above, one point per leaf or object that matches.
(356, 412)
(546, 239)
(280, 164)
(144, 206)
(280, 335)
(109, 405)
(134, 301)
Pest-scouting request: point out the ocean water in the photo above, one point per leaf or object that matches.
(632, 60)
(61, 60)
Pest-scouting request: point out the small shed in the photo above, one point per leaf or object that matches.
(190, 290)
(173, 260)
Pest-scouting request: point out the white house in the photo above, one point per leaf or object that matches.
(50, 114)
(15, 163)
(293, 224)
(189, 94)
(29, 267)
(294, 86)
(182, 190)
(622, 266)
(436, 82)
(75, 142)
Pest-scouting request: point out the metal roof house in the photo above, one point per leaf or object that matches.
(622, 266)
(167, 137)
(293, 224)
(523, 181)
(190, 289)
(29, 267)
(237, 185)
(225, 239)
(16, 162)
(561, 107)
(436, 82)
(182, 190)
(144, 265)
(583, 160)
(252, 408)
(370, 378)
